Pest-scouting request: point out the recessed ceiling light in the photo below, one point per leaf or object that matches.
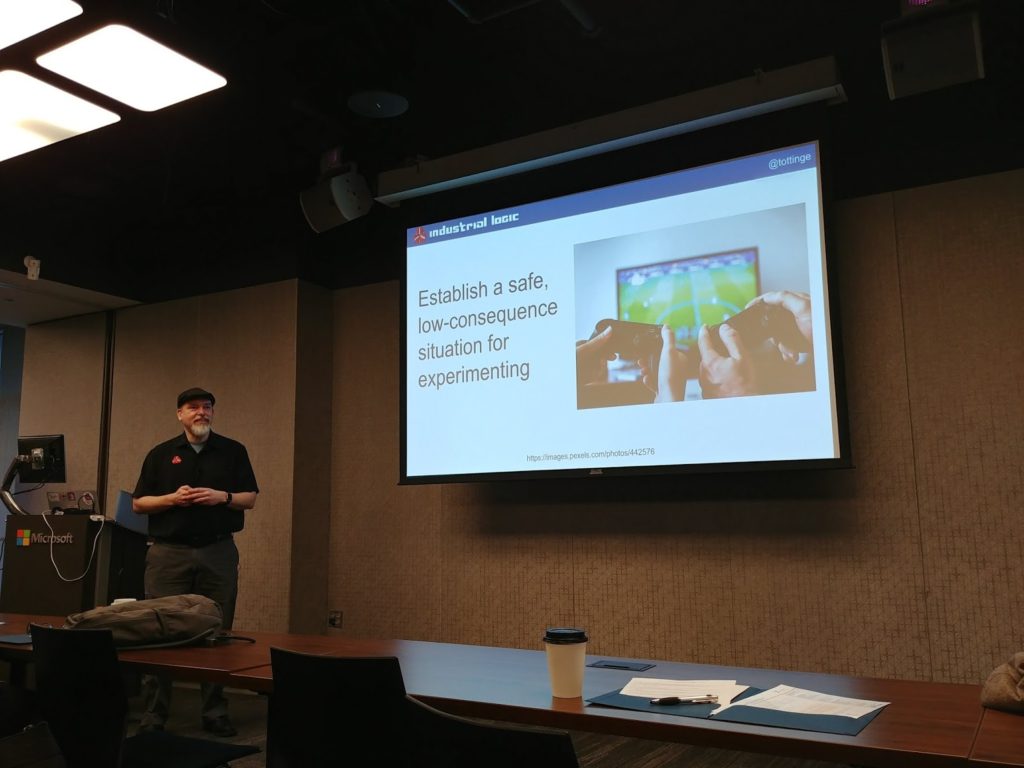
(20, 19)
(35, 114)
(132, 68)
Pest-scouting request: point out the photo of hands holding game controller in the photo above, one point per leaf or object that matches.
(764, 349)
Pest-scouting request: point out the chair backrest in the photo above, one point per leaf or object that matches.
(81, 694)
(452, 741)
(323, 708)
(33, 747)
(17, 708)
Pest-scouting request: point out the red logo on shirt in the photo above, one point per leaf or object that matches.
(176, 460)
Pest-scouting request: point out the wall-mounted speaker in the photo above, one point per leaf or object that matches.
(932, 48)
(336, 200)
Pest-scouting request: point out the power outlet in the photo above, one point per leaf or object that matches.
(334, 619)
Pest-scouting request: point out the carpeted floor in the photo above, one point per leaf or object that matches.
(249, 714)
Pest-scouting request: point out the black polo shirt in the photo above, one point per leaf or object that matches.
(222, 464)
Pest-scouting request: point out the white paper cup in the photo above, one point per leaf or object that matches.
(567, 652)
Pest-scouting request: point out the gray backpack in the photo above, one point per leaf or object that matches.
(155, 623)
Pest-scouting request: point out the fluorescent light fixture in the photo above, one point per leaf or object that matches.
(34, 114)
(132, 68)
(20, 19)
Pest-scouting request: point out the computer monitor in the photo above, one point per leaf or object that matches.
(41, 459)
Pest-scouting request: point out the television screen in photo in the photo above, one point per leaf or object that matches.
(689, 292)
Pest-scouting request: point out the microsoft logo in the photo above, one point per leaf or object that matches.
(25, 537)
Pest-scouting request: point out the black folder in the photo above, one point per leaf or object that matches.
(619, 700)
(845, 726)
(16, 639)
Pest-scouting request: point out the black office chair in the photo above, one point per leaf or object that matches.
(325, 708)
(31, 747)
(17, 709)
(81, 695)
(444, 739)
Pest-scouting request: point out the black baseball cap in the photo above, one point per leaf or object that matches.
(195, 393)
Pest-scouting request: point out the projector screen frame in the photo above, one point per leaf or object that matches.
(631, 165)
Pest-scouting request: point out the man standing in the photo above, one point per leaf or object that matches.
(196, 488)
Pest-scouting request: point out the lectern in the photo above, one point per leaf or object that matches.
(63, 564)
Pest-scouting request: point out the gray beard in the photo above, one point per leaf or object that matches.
(202, 431)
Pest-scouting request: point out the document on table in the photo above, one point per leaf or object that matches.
(656, 688)
(785, 698)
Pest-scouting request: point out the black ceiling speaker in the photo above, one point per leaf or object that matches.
(336, 200)
(933, 47)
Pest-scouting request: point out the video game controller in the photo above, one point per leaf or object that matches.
(761, 321)
(633, 341)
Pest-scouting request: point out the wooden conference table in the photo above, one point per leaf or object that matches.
(1000, 741)
(926, 724)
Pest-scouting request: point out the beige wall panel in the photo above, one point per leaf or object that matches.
(960, 259)
(384, 539)
(502, 584)
(883, 632)
(241, 346)
(421, 562)
(311, 501)
(62, 389)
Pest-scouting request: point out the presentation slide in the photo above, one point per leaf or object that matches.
(678, 320)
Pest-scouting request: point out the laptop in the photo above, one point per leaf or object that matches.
(71, 502)
(124, 516)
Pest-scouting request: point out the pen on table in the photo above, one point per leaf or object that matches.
(709, 698)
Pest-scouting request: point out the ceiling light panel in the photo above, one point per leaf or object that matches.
(132, 68)
(20, 19)
(34, 114)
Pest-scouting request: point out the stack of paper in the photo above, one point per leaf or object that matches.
(785, 698)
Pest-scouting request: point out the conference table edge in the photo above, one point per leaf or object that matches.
(578, 716)
(567, 715)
